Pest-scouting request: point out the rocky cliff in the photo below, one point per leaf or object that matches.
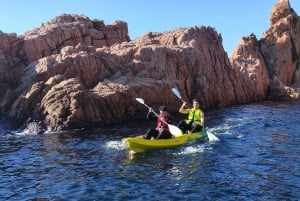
(273, 59)
(75, 72)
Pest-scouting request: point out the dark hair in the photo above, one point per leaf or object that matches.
(162, 108)
(195, 100)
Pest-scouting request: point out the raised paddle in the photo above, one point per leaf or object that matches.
(174, 130)
(176, 92)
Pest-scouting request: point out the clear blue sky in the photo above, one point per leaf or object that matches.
(233, 19)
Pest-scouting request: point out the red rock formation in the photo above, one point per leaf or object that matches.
(70, 30)
(249, 64)
(84, 85)
(75, 72)
(277, 52)
(22, 71)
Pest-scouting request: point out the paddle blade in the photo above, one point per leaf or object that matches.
(140, 100)
(176, 92)
(212, 137)
(174, 130)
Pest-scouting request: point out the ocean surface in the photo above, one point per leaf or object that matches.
(256, 157)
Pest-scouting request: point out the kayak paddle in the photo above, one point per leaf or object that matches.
(176, 92)
(174, 130)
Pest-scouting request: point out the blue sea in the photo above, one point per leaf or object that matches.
(256, 156)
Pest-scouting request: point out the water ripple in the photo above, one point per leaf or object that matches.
(257, 157)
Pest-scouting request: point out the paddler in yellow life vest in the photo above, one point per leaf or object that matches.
(195, 121)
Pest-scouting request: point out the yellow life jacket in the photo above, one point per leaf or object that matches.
(194, 116)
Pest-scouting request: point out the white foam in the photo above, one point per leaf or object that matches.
(118, 145)
(25, 132)
(192, 149)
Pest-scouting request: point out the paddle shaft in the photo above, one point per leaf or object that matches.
(155, 113)
(173, 129)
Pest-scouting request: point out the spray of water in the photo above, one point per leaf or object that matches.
(117, 145)
(212, 137)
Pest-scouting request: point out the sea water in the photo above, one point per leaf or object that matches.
(256, 157)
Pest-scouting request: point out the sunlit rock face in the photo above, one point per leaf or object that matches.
(83, 85)
(277, 50)
(74, 72)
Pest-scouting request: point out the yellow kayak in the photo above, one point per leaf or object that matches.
(137, 144)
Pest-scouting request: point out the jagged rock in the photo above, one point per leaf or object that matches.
(70, 30)
(280, 45)
(74, 72)
(277, 52)
(84, 85)
(249, 64)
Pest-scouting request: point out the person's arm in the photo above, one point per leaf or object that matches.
(202, 119)
(182, 109)
(150, 115)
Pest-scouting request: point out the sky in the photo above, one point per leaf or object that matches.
(233, 19)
